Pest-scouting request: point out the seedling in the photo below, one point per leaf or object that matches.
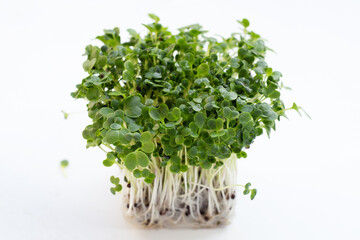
(175, 112)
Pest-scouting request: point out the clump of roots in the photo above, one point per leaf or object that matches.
(197, 198)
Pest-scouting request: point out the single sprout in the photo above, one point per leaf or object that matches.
(175, 112)
(66, 115)
(64, 163)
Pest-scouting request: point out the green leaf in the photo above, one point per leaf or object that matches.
(145, 173)
(219, 123)
(129, 66)
(227, 112)
(175, 160)
(170, 124)
(174, 115)
(149, 102)
(114, 180)
(183, 168)
(108, 163)
(234, 63)
(127, 75)
(243, 154)
(105, 111)
(115, 126)
(93, 93)
(175, 168)
(137, 173)
(253, 194)
(185, 131)
(115, 93)
(154, 17)
(125, 136)
(133, 106)
(199, 119)
(211, 123)
(154, 114)
(131, 161)
(244, 22)
(112, 136)
(118, 188)
(190, 58)
(227, 95)
(179, 139)
(205, 164)
(197, 107)
(142, 159)
(148, 180)
(64, 163)
(148, 147)
(201, 81)
(101, 62)
(203, 69)
(274, 94)
(146, 137)
(133, 127)
(245, 117)
(89, 64)
(163, 110)
(151, 176)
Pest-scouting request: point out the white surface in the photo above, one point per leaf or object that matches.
(307, 175)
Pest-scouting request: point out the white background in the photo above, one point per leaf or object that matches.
(307, 174)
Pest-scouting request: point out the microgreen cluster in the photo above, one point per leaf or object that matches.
(155, 99)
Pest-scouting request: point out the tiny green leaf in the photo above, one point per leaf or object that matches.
(64, 163)
(114, 180)
(115, 126)
(154, 17)
(203, 69)
(183, 168)
(245, 117)
(148, 147)
(133, 106)
(175, 168)
(105, 111)
(146, 137)
(199, 119)
(253, 193)
(142, 159)
(131, 161)
(154, 114)
(112, 136)
(118, 187)
(245, 22)
(89, 64)
(108, 163)
(137, 173)
(163, 110)
(175, 160)
(145, 173)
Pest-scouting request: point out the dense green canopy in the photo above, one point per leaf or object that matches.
(154, 96)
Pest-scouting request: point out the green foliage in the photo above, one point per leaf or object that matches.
(155, 96)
